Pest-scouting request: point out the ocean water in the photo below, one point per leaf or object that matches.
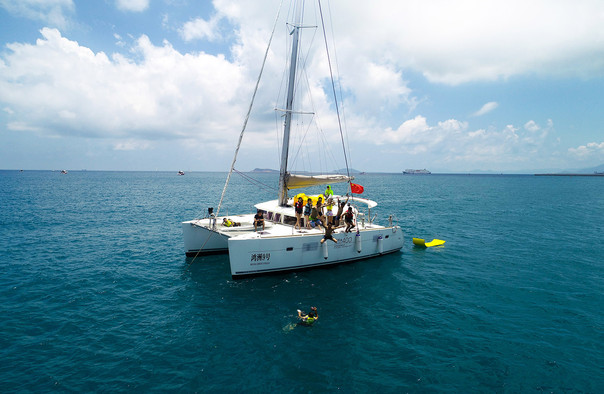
(96, 293)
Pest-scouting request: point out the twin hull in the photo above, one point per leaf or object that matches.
(253, 254)
(201, 240)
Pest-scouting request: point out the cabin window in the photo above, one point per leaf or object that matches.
(290, 220)
(270, 216)
(277, 217)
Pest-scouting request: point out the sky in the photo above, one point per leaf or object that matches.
(451, 86)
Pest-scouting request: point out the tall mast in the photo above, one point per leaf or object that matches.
(289, 105)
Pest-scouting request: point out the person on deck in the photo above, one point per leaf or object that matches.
(349, 219)
(307, 211)
(308, 319)
(340, 206)
(229, 223)
(329, 209)
(315, 220)
(299, 206)
(321, 214)
(328, 192)
(328, 232)
(258, 220)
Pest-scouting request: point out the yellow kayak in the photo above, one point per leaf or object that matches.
(422, 243)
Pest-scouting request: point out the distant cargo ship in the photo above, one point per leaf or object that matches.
(416, 172)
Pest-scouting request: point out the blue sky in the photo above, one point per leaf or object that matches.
(506, 86)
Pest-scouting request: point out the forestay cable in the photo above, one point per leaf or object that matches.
(249, 111)
(335, 97)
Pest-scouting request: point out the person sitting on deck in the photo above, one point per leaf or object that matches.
(315, 220)
(308, 319)
(258, 220)
(328, 192)
(328, 232)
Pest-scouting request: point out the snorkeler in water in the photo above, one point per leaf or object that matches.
(308, 319)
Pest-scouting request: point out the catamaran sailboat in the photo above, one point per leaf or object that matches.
(278, 245)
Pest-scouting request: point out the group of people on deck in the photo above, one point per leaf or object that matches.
(321, 215)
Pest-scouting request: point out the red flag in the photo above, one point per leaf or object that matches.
(356, 189)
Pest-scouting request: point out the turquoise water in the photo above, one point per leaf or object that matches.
(97, 295)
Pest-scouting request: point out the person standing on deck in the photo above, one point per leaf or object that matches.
(349, 219)
(307, 211)
(321, 214)
(329, 208)
(298, 206)
(340, 206)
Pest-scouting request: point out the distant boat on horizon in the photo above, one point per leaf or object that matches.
(181, 172)
(410, 171)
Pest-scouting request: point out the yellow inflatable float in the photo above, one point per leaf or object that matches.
(312, 198)
(422, 243)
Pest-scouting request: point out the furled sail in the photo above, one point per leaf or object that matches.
(298, 181)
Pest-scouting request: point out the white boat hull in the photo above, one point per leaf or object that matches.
(200, 239)
(257, 254)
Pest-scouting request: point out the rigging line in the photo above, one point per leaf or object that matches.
(333, 86)
(300, 144)
(343, 107)
(200, 249)
(319, 129)
(328, 153)
(252, 180)
(249, 111)
(301, 70)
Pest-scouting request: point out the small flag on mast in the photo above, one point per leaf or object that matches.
(356, 189)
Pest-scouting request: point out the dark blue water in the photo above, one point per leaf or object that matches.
(97, 295)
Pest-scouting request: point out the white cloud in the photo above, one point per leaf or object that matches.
(367, 78)
(416, 136)
(531, 125)
(132, 145)
(60, 87)
(485, 109)
(453, 144)
(592, 149)
(462, 41)
(132, 5)
(54, 13)
(200, 29)
(21, 126)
